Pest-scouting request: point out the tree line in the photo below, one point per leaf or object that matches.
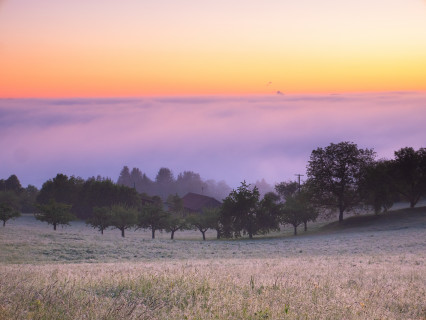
(165, 183)
(341, 178)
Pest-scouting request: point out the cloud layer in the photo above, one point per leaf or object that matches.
(221, 138)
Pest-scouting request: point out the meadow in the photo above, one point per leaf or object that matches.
(366, 270)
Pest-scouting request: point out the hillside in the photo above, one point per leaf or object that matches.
(392, 220)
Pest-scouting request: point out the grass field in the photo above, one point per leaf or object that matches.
(367, 268)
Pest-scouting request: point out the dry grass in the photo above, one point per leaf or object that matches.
(364, 274)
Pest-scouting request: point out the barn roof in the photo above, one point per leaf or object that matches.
(196, 202)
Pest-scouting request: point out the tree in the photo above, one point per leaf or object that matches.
(189, 181)
(298, 209)
(334, 175)
(176, 218)
(408, 173)
(239, 211)
(207, 219)
(376, 186)
(101, 218)
(63, 190)
(152, 216)
(286, 189)
(124, 179)
(164, 183)
(123, 217)
(28, 199)
(55, 213)
(12, 184)
(9, 204)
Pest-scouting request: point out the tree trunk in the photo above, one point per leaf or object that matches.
(4, 223)
(153, 233)
(341, 215)
(54, 226)
(306, 225)
(204, 235)
(122, 232)
(250, 235)
(412, 203)
(295, 230)
(102, 231)
(172, 236)
(217, 234)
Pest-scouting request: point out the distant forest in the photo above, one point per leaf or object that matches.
(166, 184)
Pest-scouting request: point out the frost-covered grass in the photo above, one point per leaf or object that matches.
(76, 273)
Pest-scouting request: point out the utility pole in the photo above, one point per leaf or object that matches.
(298, 175)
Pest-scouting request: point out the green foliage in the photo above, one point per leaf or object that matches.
(298, 209)
(104, 193)
(175, 220)
(85, 195)
(207, 219)
(28, 198)
(286, 189)
(9, 204)
(153, 217)
(242, 212)
(334, 175)
(376, 186)
(239, 211)
(55, 213)
(408, 174)
(101, 218)
(123, 217)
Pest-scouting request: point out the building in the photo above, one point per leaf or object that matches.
(195, 203)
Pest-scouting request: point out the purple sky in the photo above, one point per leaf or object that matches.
(231, 139)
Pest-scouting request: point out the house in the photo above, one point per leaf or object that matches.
(195, 203)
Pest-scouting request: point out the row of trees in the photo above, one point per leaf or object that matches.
(344, 178)
(340, 178)
(15, 199)
(242, 213)
(84, 195)
(165, 183)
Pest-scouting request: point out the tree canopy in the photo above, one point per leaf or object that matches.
(55, 213)
(334, 175)
(408, 173)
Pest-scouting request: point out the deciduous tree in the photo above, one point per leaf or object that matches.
(334, 175)
(152, 216)
(408, 173)
(55, 213)
(239, 211)
(9, 206)
(101, 218)
(123, 217)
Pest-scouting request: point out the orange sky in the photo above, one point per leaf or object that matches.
(105, 48)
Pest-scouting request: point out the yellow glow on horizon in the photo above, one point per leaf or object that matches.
(56, 50)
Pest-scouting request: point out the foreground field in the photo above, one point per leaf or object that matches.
(362, 273)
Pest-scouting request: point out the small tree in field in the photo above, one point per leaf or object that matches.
(152, 216)
(55, 213)
(239, 211)
(175, 220)
(123, 217)
(9, 203)
(298, 209)
(101, 218)
(208, 219)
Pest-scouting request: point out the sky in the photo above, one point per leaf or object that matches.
(234, 90)
(110, 48)
(222, 138)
